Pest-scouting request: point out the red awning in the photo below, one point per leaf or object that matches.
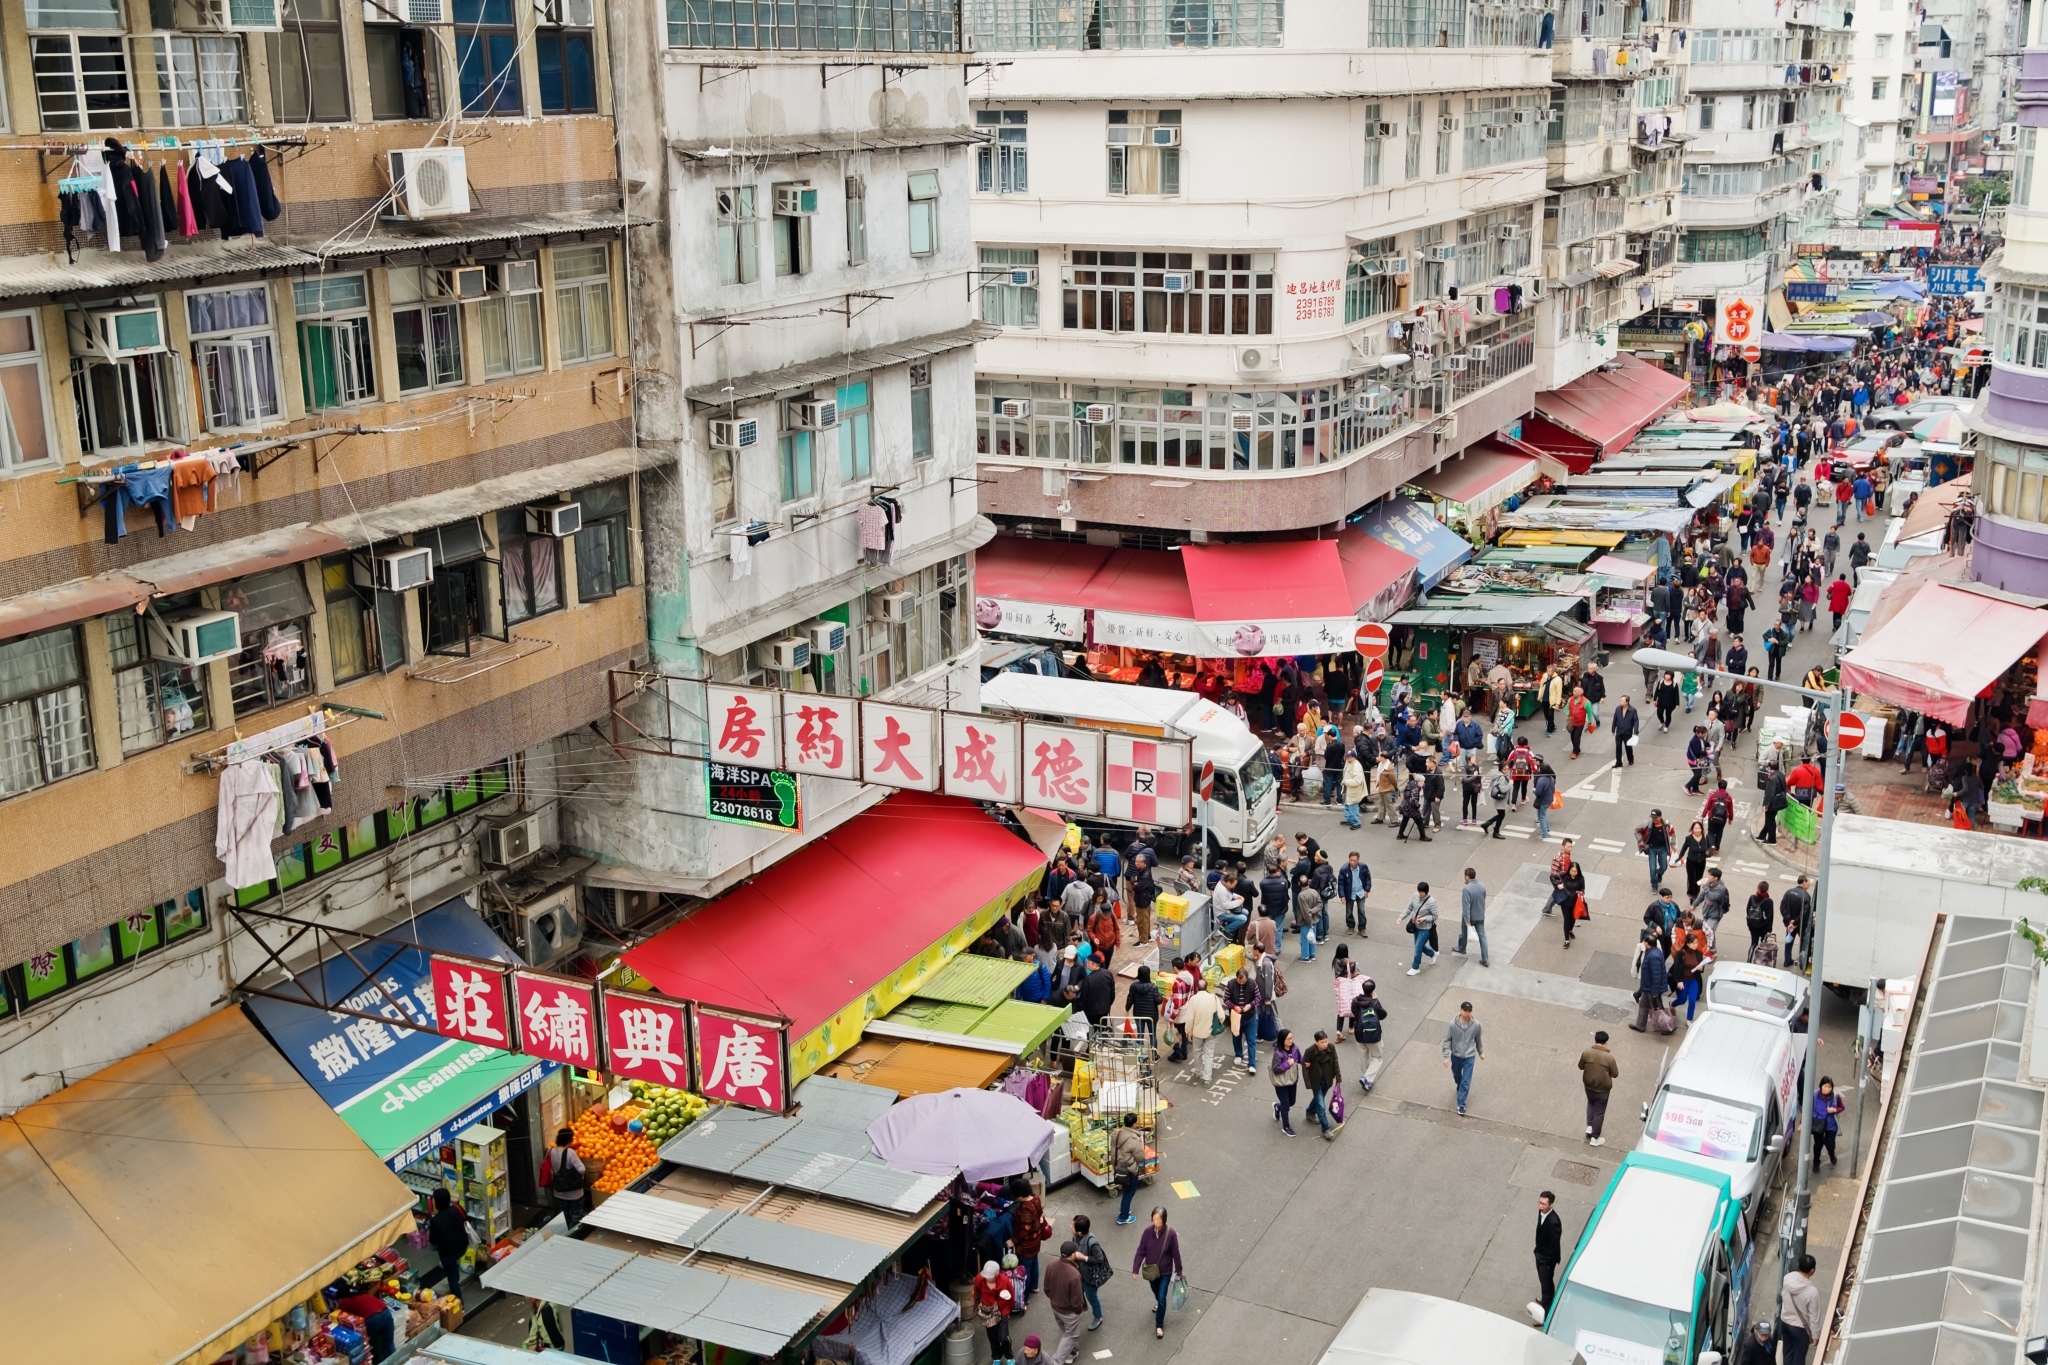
(1485, 475)
(1142, 583)
(1272, 580)
(1599, 413)
(1379, 576)
(1048, 571)
(1942, 650)
(48, 608)
(817, 931)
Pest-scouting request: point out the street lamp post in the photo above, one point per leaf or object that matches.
(1793, 1245)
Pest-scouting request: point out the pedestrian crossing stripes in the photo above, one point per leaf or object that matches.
(1607, 845)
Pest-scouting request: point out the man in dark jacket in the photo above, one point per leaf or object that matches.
(1274, 899)
(1595, 688)
(448, 1235)
(1064, 1295)
(1651, 981)
(1241, 1009)
(1549, 1251)
(1774, 801)
(1319, 1072)
(1333, 764)
(1628, 723)
(1795, 907)
(1098, 995)
(1142, 1002)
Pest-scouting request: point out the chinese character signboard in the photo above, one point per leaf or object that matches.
(1951, 279)
(899, 746)
(1037, 620)
(1738, 319)
(765, 797)
(1063, 768)
(821, 735)
(742, 723)
(647, 1038)
(472, 1002)
(742, 1060)
(1315, 300)
(557, 1018)
(1250, 639)
(1147, 632)
(981, 758)
(1145, 781)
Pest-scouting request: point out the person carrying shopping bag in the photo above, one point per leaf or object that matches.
(1286, 1069)
(1158, 1263)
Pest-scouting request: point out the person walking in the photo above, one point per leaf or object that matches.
(1346, 981)
(1826, 1106)
(1541, 793)
(1760, 915)
(1472, 915)
(1626, 725)
(1066, 1297)
(566, 1180)
(1319, 1071)
(1127, 1163)
(1157, 1262)
(1575, 717)
(1712, 903)
(1500, 793)
(1598, 1071)
(1368, 1015)
(1654, 838)
(1667, 700)
(1142, 1003)
(1096, 1271)
(1799, 1313)
(1334, 754)
(1795, 908)
(1411, 810)
(1595, 688)
(1549, 1253)
(995, 1300)
(1651, 980)
(1717, 812)
(1354, 884)
(1354, 790)
(1199, 1018)
(1286, 1068)
(1693, 855)
(450, 1235)
(1464, 1045)
(1420, 921)
(1839, 593)
(1386, 786)
(1028, 1231)
(1469, 787)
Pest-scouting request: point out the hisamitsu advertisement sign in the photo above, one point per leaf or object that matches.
(1951, 279)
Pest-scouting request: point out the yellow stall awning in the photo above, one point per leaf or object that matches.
(166, 1209)
(1602, 540)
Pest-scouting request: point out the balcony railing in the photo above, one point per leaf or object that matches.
(1453, 23)
(1120, 25)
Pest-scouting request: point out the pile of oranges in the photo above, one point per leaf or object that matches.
(601, 1134)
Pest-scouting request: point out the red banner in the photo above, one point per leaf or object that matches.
(647, 1038)
(471, 1002)
(742, 1060)
(557, 1018)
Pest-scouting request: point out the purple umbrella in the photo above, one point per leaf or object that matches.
(979, 1133)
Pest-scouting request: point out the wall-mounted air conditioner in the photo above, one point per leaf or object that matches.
(1244, 421)
(826, 637)
(734, 433)
(1162, 135)
(1099, 414)
(1455, 364)
(796, 199)
(115, 333)
(814, 414)
(1395, 265)
(1024, 277)
(785, 655)
(1257, 359)
(198, 638)
(430, 182)
(896, 608)
(1443, 253)
(464, 281)
(1013, 408)
(619, 909)
(415, 11)
(397, 570)
(557, 519)
(1446, 124)
(1478, 352)
(512, 842)
(550, 929)
(1178, 282)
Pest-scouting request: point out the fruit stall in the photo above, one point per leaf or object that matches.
(620, 1141)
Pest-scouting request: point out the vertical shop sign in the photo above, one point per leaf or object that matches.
(743, 725)
(1145, 781)
(742, 1059)
(471, 1002)
(1063, 768)
(821, 735)
(647, 1038)
(557, 1018)
(899, 746)
(981, 758)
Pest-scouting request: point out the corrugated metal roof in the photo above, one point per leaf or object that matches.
(723, 1140)
(801, 378)
(49, 275)
(561, 1270)
(971, 979)
(800, 1208)
(808, 1252)
(823, 144)
(652, 1217)
(815, 1157)
(392, 239)
(841, 1104)
(909, 1068)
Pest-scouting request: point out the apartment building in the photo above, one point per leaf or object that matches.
(1877, 138)
(386, 310)
(1253, 266)
(804, 324)
(1961, 88)
(1611, 220)
(1765, 125)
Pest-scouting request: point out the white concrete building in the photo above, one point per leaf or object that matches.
(1877, 141)
(805, 343)
(1205, 241)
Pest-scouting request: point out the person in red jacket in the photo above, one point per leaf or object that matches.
(1839, 593)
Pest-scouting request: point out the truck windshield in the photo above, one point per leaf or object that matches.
(1607, 1327)
(1256, 778)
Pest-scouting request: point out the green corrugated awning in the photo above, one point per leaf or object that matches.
(1014, 1026)
(973, 980)
(1572, 555)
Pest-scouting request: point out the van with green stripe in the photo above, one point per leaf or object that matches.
(1662, 1273)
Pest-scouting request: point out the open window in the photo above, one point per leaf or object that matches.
(335, 367)
(308, 65)
(158, 700)
(234, 354)
(45, 727)
(276, 616)
(24, 386)
(455, 604)
(427, 328)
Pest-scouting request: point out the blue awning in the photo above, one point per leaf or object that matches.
(1407, 526)
(404, 1091)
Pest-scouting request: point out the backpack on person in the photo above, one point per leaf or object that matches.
(1365, 1019)
(564, 1180)
(1499, 790)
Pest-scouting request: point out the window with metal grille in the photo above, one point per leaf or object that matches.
(1206, 293)
(45, 730)
(198, 80)
(1009, 285)
(81, 82)
(157, 700)
(1119, 25)
(234, 353)
(272, 667)
(817, 25)
(308, 66)
(1002, 166)
(1144, 151)
(509, 320)
(428, 333)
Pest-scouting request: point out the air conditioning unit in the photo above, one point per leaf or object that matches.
(734, 433)
(1443, 253)
(1396, 265)
(115, 333)
(1370, 267)
(557, 519)
(814, 414)
(1256, 359)
(550, 929)
(1025, 277)
(896, 608)
(1244, 421)
(512, 842)
(397, 570)
(1478, 352)
(1446, 124)
(1454, 364)
(1099, 414)
(1521, 115)
(1163, 135)
(430, 182)
(785, 655)
(826, 637)
(198, 638)
(795, 200)
(618, 909)
(1447, 428)
(465, 281)
(1508, 232)
(1533, 288)
(1013, 408)
(1490, 131)
(416, 12)
(1177, 283)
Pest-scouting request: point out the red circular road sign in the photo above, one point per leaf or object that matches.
(1375, 673)
(1848, 730)
(1371, 639)
(1752, 353)
(1208, 778)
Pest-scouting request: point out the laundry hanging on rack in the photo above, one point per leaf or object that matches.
(192, 484)
(250, 807)
(878, 521)
(138, 487)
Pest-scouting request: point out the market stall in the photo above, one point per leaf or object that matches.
(1621, 606)
(1944, 649)
(150, 1219)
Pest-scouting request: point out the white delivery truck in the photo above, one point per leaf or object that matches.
(1397, 1327)
(1244, 809)
(1888, 879)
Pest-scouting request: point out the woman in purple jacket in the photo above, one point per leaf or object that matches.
(1158, 1249)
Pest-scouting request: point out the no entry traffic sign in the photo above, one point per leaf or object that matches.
(1375, 673)
(1752, 353)
(1371, 639)
(1208, 778)
(1848, 730)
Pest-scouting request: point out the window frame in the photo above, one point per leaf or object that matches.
(564, 39)
(81, 753)
(922, 190)
(248, 664)
(405, 41)
(78, 85)
(796, 457)
(507, 310)
(345, 328)
(791, 235)
(575, 293)
(856, 220)
(1003, 303)
(607, 510)
(248, 348)
(855, 430)
(736, 215)
(368, 614)
(520, 549)
(154, 677)
(436, 344)
(1154, 166)
(1002, 165)
(480, 38)
(30, 359)
(297, 37)
(921, 445)
(159, 402)
(215, 106)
